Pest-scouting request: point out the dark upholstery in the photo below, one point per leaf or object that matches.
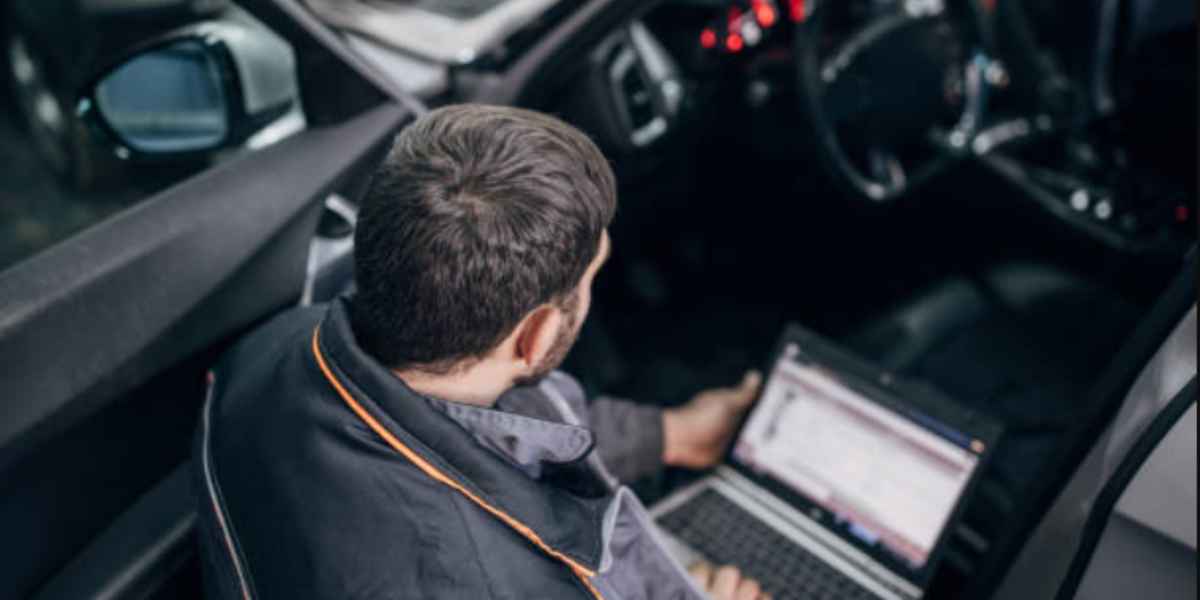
(1021, 342)
(148, 552)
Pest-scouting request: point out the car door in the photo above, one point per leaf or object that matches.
(105, 336)
(1118, 524)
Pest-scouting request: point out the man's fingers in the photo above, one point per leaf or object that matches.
(702, 572)
(725, 583)
(748, 388)
(748, 589)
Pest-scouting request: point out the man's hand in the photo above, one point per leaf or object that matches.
(695, 434)
(726, 583)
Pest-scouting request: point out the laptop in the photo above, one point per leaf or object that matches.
(841, 482)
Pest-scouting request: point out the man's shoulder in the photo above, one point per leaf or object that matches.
(266, 364)
(278, 442)
(285, 333)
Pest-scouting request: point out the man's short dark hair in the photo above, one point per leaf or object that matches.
(478, 215)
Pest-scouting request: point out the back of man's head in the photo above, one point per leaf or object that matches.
(478, 215)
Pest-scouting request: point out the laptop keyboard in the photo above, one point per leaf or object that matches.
(725, 533)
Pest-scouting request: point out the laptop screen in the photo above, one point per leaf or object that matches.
(891, 480)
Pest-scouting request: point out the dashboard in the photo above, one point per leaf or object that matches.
(742, 25)
(646, 87)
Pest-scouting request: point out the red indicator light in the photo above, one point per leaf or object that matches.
(796, 10)
(1182, 213)
(708, 38)
(734, 42)
(765, 15)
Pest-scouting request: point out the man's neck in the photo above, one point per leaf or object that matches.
(478, 385)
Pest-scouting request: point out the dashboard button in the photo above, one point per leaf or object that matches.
(1080, 200)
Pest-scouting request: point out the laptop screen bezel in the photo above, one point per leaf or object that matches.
(877, 385)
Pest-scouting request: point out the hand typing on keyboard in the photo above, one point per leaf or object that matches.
(726, 583)
(724, 533)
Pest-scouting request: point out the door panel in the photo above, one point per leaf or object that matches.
(100, 304)
(105, 337)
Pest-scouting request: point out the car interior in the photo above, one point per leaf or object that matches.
(731, 225)
(989, 198)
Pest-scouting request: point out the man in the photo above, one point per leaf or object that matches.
(414, 440)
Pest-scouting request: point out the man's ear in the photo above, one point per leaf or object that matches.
(536, 333)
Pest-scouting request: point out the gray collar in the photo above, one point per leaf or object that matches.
(526, 442)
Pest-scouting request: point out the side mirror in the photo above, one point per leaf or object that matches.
(170, 99)
(196, 91)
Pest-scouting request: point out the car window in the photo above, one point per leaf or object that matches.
(61, 171)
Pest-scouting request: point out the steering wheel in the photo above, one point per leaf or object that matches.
(909, 71)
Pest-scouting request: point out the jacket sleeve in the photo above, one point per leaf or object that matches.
(629, 437)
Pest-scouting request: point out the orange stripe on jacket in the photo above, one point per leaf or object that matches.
(583, 573)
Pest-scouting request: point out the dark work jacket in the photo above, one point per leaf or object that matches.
(322, 475)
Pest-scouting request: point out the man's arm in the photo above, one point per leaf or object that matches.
(637, 440)
(629, 437)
